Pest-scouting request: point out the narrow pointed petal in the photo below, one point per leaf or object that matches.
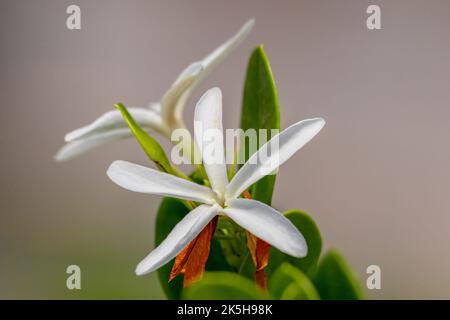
(154, 106)
(208, 133)
(174, 101)
(78, 147)
(217, 56)
(273, 154)
(180, 236)
(112, 120)
(146, 180)
(267, 224)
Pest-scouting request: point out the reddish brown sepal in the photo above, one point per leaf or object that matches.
(259, 249)
(192, 260)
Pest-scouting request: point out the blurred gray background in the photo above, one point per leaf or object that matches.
(376, 179)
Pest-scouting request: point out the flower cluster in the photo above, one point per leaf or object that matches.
(213, 193)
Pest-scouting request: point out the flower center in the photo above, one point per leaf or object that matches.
(219, 199)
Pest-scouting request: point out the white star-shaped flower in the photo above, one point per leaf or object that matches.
(223, 197)
(162, 117)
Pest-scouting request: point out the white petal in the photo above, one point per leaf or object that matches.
(147, 119)
(267, 224)
(273, 154)
(80, 146)
(180, 236)
(154, 106)
(208, 133)
(146, 180)
(216, 57)
(191, 72)
(174, 101)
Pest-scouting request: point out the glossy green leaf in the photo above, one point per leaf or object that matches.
(311, 232)
(290, 283)
(221, 285)
(260, 110)
(150, 146)
(335, 280)
(170, 212)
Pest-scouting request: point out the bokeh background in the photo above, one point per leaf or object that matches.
(376, 179)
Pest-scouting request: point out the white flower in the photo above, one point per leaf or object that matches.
(162, 117)
(222, 198)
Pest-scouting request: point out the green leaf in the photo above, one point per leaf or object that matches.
(260, 110)
(221, 285)
(170, 212)
(151, 147)
(290, 283)
(335, 280)
(311, 232)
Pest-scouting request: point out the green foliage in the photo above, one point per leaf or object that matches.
(233, 241)
(260, 110)
(290, 283)
(311, 232)
(335, 280)
(221, 285)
